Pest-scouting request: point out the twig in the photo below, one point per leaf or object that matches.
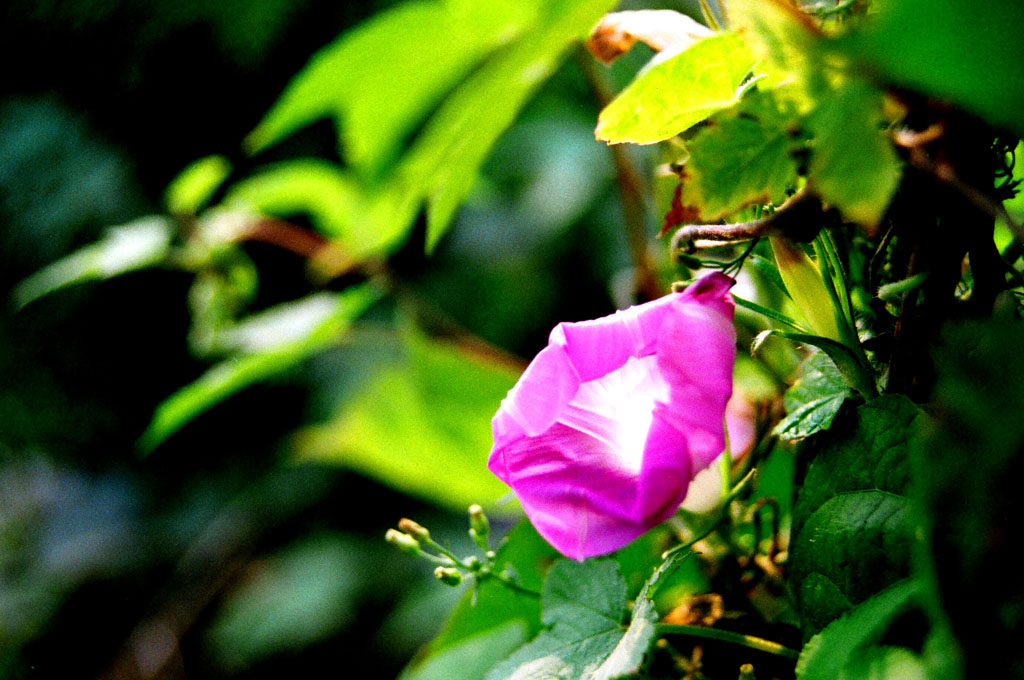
(800, 217)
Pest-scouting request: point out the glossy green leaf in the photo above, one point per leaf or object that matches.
(678, 92)
(421, 425)
(743, 157)
(241, 371)
(584, 605)
(966, 53)
(192, 189)
(814, 400)
(853, 165)
(129, 247)
(380, 79)
(826, 654)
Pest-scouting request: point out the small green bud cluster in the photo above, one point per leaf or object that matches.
(414, 539)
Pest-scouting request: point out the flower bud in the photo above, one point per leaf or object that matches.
(448, 576)
(414, 529)
(403, 542)
(479, 527)
(806, 287)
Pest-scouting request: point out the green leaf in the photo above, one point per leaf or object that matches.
(856, 374)
(827, 653)
(884, 663)
(129, 247)
(768, 271)
(420, 425)
(769, 313)
(742, 157)
(786, 43)
(584, 604)
(191, 190)
(678, 92)
(872, 451)
(814, 400)
(239, 372)
(966, 53)
(853, 165)
(472, 656)
(445, 159)
(859, 541)
(379, 79)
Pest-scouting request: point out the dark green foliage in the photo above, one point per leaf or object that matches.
(969, 466)
(851, 521)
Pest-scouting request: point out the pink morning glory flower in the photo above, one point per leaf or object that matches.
(608, 425)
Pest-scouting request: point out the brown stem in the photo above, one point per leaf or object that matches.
(800, 218)
(632, 190)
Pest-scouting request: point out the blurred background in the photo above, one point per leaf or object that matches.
(249, 542)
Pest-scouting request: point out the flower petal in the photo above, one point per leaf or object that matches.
(696, 352)
(603, 433)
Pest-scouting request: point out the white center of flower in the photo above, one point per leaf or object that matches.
(616, 409)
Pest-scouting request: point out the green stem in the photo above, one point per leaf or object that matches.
(709, 16)
(748, 641)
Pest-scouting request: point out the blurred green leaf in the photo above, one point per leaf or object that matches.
(814, 400)
(381, 78)
(446, 157)
(281, 324)
(421, 425)
(443, 161)
(189, 192)
(289, 600)
(844, 640)
(136, 245)
(884, 663)
(743, 157)
(338, 205)
(584, 604)
(853, 165)
(967, 470)
(677, 93)
(967, 53)
(239, 372)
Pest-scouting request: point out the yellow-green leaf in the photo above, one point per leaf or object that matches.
(677, 93)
